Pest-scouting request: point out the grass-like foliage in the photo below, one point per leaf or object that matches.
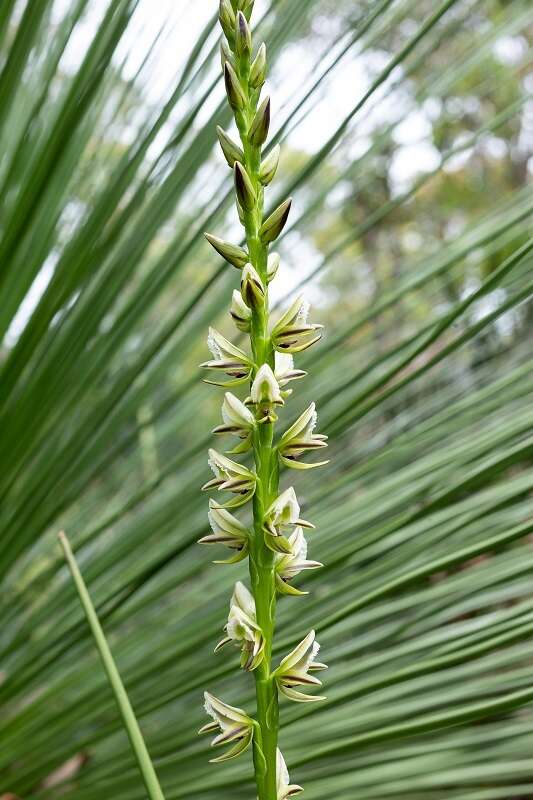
(416, 253)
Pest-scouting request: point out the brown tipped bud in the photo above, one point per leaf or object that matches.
(258, 68)
(236, 96)
(232, 151)
(243, 36)
(226, 16)
(272, 227)
(243, 187)
(260, 124)
(233, 254)
(272, 266)
(269, 166)
(252, 289)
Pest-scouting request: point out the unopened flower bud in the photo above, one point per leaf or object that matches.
(243, 36)
(236, 96)
(294, 670)
(274, 224)
(269, 166)
(243, 187)
(239, 312)
(258, 68)
(232, 253)
(260, 124)
(232, 151)
(234, 726)
(226, 16)
(252, 289)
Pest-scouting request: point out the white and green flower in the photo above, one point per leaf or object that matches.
(294, 670)
(292, 333)
(228, 531)
(243, 629)
(238, 420)
(232, 477)
(282, 514)
(239, 312)
(234, 727)
(227, 358)
(283, 784)
(300, 438)
(288, 565)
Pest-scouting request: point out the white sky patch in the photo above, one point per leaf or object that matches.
(28, 305)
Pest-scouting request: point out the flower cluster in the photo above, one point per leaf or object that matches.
(273, 540)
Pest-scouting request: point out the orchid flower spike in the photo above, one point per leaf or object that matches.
(242, 628)
(238, 420)
(294, 670)
(288, 565)
(284, 787)
(227, 530)
(283, 513)
(233, 724)
(292, 333)
(227, 358)
(232, 477)
(300, 438)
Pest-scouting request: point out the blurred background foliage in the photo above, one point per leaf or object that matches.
(407, 135)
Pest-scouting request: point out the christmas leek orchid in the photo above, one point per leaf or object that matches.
(234, 727)
(273, 540)
(294, 670)
(242, 628)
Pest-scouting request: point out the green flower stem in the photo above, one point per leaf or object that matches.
(128, 717)
(262, 559)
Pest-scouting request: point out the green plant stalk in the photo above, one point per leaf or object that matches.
(126, 711)
(262, 559)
